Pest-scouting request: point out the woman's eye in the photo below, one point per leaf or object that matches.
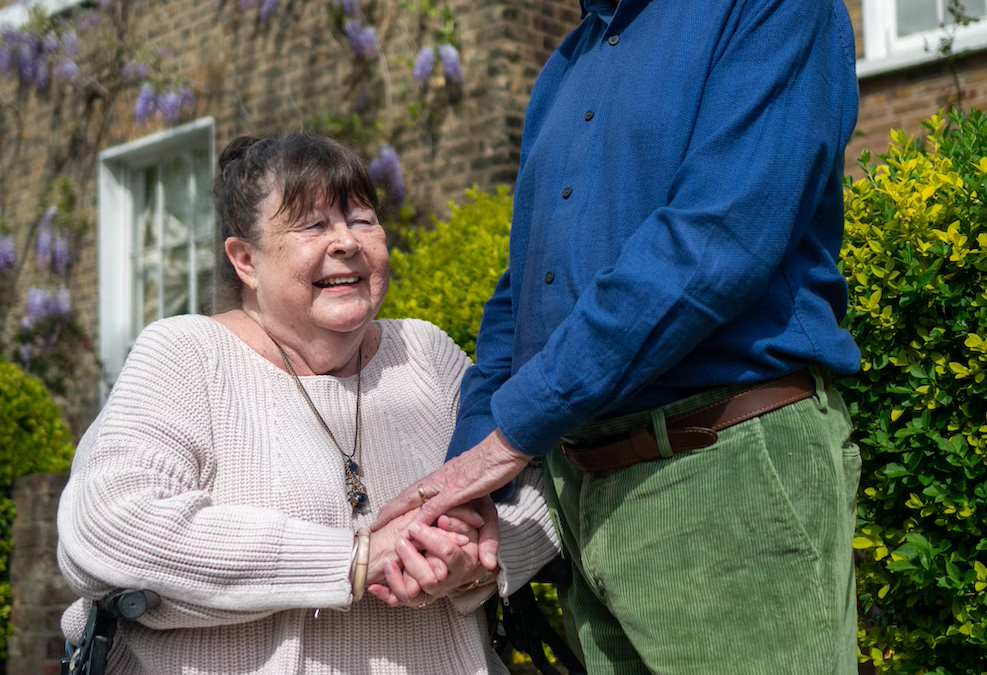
(359, 222)
(318, 225)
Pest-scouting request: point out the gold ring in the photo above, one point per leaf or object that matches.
(468, 587)
(421, 493)
(421, 605)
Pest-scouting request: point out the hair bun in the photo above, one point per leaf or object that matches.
(236, 149)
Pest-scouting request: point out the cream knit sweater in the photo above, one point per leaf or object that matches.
(207, 479)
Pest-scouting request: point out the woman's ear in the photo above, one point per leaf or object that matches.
(241, 254)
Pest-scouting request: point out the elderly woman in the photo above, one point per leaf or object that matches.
(240, 457)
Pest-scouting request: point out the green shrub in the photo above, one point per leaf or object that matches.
(446, 276)
(33, 438)
(915, 255)
(448, 272)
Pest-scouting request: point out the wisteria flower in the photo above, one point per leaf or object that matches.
(8, 252)
(137, 70)
(62, 254)
(385, 169)
(45, 239)
(450, 60)
(62, 302)
(351, 7)
(424, 63)
(170, 105)
(39, 304)
(147, 103)
(363, 39)
(24, 352)
(268, 8)
(187, 96)
(68, 69)
(70, 44)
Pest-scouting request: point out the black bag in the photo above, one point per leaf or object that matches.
(90, 657)
(520, 624)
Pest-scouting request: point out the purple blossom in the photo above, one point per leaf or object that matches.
(28, 54)
(25, 352)
(386, 171)
(8, 47)
(137, 70)
(70, 44)
(268, 8)
(40, 304)
(424, 63)
(50, 44)
(351, 7)
(146, 103)
(68, 69)
(89, 19)
(188, 96)
(62, 255)
(450, 60)
(45, 236)
(62, 302)
(170, 105)
(363, 39)
(8, 254)
(42, 74)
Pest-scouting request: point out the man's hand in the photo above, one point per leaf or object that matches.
(475, 473)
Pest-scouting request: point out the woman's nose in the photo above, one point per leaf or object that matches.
(343, 242)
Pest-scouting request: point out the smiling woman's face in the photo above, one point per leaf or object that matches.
(326, 270)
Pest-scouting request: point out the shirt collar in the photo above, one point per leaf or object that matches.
(601, 8)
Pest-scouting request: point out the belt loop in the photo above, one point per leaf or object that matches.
(661, 432)
(821, 397)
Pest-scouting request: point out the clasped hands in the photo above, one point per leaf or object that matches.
(412, 563)
(440, 544)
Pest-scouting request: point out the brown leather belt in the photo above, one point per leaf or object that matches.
(693, 429)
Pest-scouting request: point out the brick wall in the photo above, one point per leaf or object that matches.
(904, 98)
(40, 595)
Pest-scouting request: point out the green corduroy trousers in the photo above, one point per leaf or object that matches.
(730, 560)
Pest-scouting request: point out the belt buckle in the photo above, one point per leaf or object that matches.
(566, 445)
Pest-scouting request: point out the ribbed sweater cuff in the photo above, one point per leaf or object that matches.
(314, 565)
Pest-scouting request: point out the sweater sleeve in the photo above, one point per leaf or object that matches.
(136, 512)
(528, 541)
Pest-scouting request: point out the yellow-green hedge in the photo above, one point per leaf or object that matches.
(915, 254)
(449, 271)
(33, 438)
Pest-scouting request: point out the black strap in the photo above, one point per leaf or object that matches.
(523, 626)
(90, 657)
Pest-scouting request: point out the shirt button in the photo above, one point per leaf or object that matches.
(588, 115)
(613, 39)
(549, 277)
(566, 192)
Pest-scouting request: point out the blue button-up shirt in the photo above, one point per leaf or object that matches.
(677, 216)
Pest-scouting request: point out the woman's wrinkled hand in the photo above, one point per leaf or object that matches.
(435, 565)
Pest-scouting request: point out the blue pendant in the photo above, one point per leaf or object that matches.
(352, 466)
(358, 499)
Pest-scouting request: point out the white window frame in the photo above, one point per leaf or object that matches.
(118, 168)
(17, 14)
(883, 52)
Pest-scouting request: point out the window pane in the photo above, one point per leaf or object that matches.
(202, 172)
(915, 16)
(177, 209)
(176, 280)
(150, 295)
(149, 205)
(203, 278)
